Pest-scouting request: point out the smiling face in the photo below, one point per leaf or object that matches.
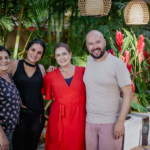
(34, 53)
(96, 44)
(62, 56)
(4, 61)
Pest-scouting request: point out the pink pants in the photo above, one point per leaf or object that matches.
(100, 137)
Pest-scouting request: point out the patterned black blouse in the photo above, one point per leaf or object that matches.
(9, 105)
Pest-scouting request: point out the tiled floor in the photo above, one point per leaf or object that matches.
(41, 147)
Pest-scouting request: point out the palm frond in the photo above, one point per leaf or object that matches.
(5, 22)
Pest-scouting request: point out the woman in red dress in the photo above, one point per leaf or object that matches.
(66, 123)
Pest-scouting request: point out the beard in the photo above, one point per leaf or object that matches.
(100, 55)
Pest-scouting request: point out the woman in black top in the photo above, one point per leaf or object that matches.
(9, 101)
(28, 77)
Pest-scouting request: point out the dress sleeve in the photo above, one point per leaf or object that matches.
(122, 73)
(47, 88)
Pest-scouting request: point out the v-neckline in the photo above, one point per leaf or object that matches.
(64, 78)
(26, 73)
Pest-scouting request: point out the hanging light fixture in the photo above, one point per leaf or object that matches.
(95, 8)
(136, 13)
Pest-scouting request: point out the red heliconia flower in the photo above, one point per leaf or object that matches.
(16, 28)
(123, 58)
(126, 56)
(129, 66)
(120, 50)
(133, 87)
(148, 67)
(147, 57)
(140, 47)
(141, 57)
(119, 40)
(111, 52)
(32, 28)
(140, 44)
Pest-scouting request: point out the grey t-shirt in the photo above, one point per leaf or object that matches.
(103, 81)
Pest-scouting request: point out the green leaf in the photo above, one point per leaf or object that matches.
(147, 96)
(112, 45)
(126, 43)
(148, 41)
(138, 107)
(127, 32)
(148, 92)
(133, 47)
(79, 61)
(141, 85)
(132, 59)
(136, 94)
(143, 100)
(6, 22)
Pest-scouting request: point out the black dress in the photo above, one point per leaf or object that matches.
(31, 123)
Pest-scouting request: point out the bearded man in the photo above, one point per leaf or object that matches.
(105, 76)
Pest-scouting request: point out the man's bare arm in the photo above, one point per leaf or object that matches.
(126, 101)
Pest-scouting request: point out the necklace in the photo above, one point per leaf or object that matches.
(67, 70)
(28, 64)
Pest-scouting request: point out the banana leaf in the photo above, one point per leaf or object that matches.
(78, 61)
(138, 107)
(141, 85)
(148, 41)
(126, 43)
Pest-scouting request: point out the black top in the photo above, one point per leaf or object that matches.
(30, 88)
(9, 105)
(69, 81)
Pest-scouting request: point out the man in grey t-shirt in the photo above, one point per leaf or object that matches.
(105, 76)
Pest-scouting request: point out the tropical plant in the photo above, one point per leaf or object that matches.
(5, 24)
(130, 47)
(142, 95)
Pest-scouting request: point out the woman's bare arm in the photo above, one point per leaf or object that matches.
(42, 70)
(13, 67)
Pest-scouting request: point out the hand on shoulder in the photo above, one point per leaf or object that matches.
(51, 68)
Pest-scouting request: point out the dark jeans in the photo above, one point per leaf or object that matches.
(27, 133)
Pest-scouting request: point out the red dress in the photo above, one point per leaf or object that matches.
(66, 123)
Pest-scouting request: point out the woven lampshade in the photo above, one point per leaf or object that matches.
(94, 8)
(136, 13)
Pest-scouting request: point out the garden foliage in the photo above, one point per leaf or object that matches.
(131, 51)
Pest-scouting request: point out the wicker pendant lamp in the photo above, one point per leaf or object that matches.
(95, 8)
(136, 13)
